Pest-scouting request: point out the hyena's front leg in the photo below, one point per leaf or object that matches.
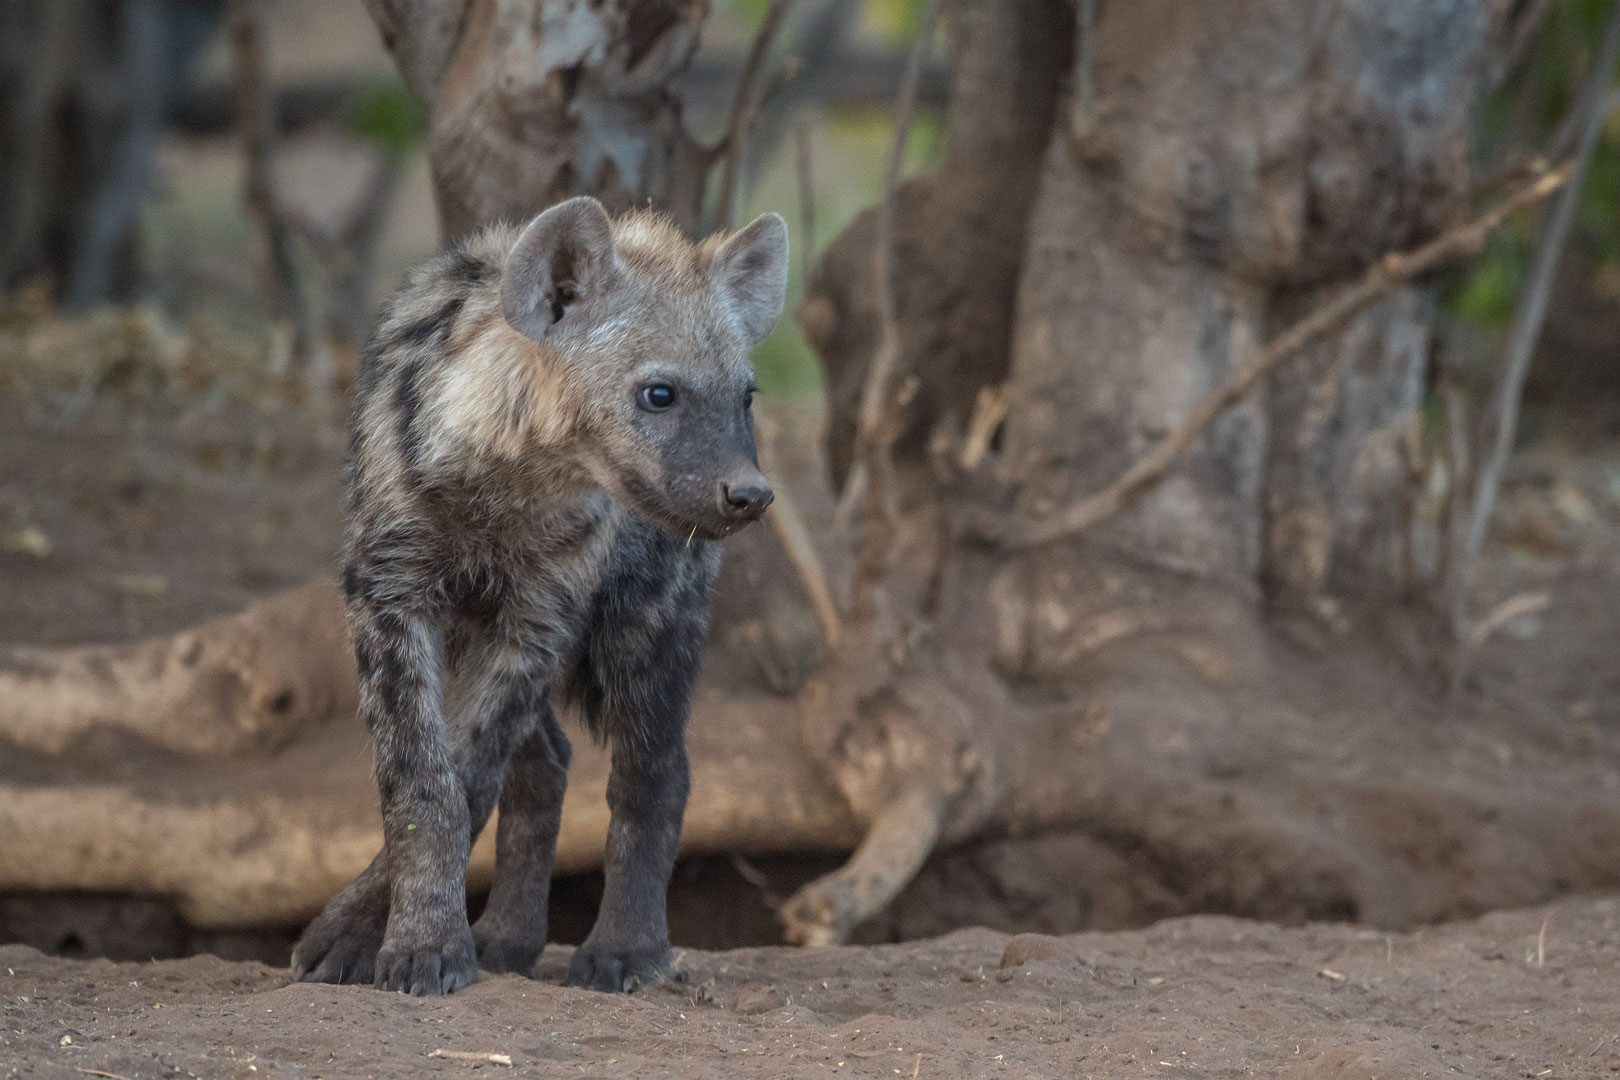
(629, 945)
(636, 686)
(511, 933)
(492, 704)
(341, 945)
(427, 833)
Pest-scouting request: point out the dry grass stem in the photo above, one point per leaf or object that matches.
(744, 108)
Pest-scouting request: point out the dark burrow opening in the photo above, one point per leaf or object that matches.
(716, 902)
(1055, 883)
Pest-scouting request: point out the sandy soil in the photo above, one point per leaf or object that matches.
(1531, 993)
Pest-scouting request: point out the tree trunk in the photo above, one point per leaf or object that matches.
(85, 86)
(530, 103)
(1128, 210)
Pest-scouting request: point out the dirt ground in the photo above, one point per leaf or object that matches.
(1532, 993)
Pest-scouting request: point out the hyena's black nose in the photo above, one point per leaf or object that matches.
(745, 501)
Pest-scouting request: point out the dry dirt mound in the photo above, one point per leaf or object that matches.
(1532, 993)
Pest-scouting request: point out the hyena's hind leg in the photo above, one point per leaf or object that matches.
(511, 933)
(341, 945)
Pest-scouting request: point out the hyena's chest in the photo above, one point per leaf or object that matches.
(527, 588)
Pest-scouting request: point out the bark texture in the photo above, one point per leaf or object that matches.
(85, 86)
(960, 231)
(531, 103)
(1230, 158)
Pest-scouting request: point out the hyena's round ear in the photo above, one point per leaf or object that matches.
(752, 268)
(564, 255)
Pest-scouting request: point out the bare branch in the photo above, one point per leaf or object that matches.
(288, 299)
(879, 397)
(1393, 270)
(791, 533)
(744, 107)
(801, 552)
(1494, 434)
(1523, 33)
(807, 207)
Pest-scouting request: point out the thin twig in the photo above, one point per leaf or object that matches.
(285, 286)
(1393, 270)
(989, 410)
(1494, 434)
(801, 552)
(108, 1075)
(1515, 607)
(1519, 44)
(879, 399)
(744, 107)
(807, 207)
(473, 1055)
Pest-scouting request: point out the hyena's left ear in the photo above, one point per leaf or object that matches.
(752, 268)
(564, 255)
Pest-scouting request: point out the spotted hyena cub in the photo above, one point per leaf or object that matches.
(550, 431)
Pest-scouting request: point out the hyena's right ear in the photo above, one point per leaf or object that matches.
(563, 255)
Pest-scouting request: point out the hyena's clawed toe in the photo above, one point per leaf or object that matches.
(431, 969)
(619, 970)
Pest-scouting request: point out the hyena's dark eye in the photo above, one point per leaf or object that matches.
(656, 397)
(748, 397)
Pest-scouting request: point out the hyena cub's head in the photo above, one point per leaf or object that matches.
(649, 336)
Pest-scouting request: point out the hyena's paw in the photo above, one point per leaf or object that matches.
(340, 947)
(500, 951)
(616, 969)
(438, 967)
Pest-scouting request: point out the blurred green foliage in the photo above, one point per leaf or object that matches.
(1522, 117)
(890, 20)
(850, 153)
(386, 113)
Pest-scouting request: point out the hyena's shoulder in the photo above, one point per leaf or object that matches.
(445, 303)
(418, 326)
